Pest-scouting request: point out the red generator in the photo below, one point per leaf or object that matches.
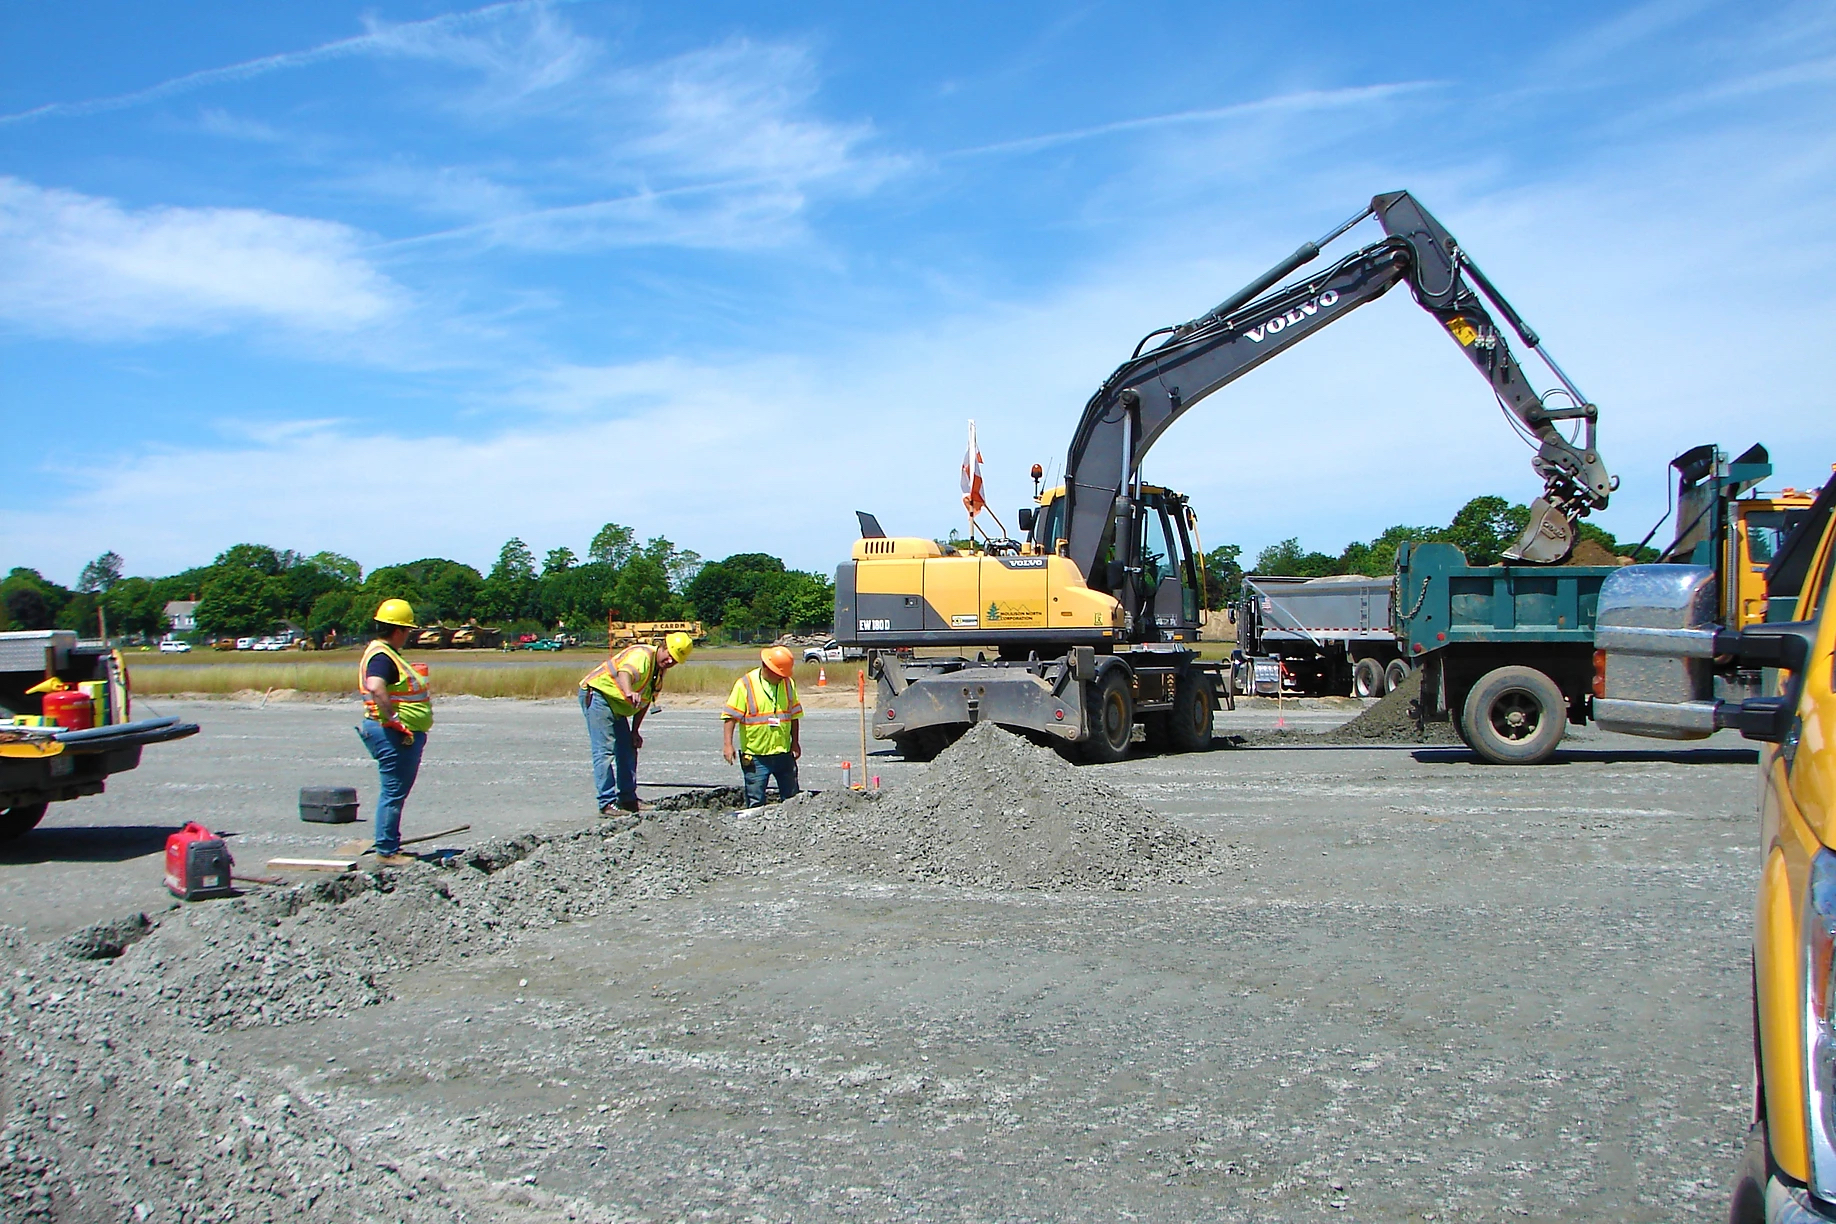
(198, 864)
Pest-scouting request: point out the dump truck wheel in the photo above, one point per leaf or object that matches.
(18, 821)
(1395, 674)
(1112, 717)
(1367, 678)
(1189, 721)
(1515, 716)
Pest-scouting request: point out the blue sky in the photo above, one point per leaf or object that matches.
(403, 279)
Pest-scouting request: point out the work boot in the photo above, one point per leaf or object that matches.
(398, 859)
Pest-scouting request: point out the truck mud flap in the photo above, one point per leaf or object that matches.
(1011, 698)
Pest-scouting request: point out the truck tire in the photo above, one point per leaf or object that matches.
(1367, 678)
(1111, 717)
(18, 821)
(1515, 716)
(1395, 674)
(1189, 721)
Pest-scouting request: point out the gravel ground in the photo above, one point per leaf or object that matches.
(1407, 986)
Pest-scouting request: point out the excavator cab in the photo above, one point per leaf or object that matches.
(1160, 584)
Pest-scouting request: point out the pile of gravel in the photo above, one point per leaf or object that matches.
(108, 1111)
(993, 810)
(1396, 719)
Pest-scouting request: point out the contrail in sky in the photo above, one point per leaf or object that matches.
(1312, 99)
(383, 39)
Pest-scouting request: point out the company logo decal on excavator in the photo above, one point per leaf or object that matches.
(1012, 614)
(1468, 335)
(1307, 308)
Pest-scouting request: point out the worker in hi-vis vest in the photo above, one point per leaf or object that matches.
(764, 705)
(397, 714)
(614, 697)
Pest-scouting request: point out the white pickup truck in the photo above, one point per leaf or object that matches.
(40, 766)
(832, 651)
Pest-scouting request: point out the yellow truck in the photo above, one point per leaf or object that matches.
(1661, 643)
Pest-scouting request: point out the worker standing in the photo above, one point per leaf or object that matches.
(397, 714)
(764, 704)
(615, 697)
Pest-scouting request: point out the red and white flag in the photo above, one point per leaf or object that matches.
(973, 501)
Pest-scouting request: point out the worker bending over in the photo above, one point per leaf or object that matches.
(614, 697)
(397, 714)
(764, 704)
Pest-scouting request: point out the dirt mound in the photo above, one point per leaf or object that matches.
(1393, 720)
(1591, 552)
(707, 798)
(993, 810)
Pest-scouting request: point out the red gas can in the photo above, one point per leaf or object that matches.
(198, 864)
(71, 709)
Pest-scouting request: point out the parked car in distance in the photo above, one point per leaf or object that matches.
(832, 651)
(173, 646)
(547, 644)
(247, 643)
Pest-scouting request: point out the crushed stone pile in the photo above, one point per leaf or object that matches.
(108, 1110)
(994, 810)
(1393, 720)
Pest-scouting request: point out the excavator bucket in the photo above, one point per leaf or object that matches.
(1547, 540)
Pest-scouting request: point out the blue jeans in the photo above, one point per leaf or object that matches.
(398, 761)
(614, 759)
(759, 770)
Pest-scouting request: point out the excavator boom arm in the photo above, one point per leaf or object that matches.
(1137, 403)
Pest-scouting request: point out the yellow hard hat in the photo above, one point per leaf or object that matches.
(396, 612)
(679, 645)
(778, 660)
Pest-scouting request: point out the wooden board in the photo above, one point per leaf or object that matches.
(306, 864)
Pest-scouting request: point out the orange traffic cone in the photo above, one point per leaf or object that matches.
(822, 677)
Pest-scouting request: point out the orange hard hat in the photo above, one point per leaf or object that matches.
(778, 660)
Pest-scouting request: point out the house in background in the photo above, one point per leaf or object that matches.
(181, 616)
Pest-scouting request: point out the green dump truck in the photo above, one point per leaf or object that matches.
(1506, 652)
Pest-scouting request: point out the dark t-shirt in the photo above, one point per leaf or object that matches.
(383, 666)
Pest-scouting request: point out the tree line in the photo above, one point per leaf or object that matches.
(1482, 529)
(255, 589)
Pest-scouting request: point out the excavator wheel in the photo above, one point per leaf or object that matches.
(1111, 717)
(1189, 721)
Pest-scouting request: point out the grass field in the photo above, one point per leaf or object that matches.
(449, 672)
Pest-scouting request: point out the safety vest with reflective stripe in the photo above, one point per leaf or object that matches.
(413, 701)
(764, 709)
(639, 663)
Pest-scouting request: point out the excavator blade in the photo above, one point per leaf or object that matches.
(1548, 539)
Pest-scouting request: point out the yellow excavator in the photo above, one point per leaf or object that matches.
(1085, 626)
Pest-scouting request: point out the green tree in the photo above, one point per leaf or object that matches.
(739, 577)
(559, 560)
(79, 615)
(338, 565)
(257, 557)
(101, 574)
(1377, 559)
(1484, 527)
(1223, 575)
(509, 593)
(134, 607)
(641, 591)
(1287, 559)
(30, 600)
(612, 545)
(239, 600)
(338, 612)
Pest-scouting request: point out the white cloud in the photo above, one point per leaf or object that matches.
(84, 265)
